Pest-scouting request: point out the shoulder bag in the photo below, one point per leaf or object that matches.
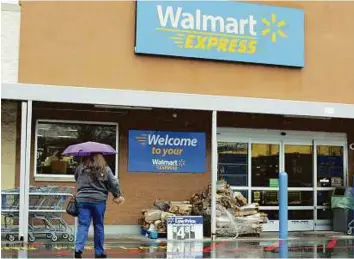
(72, 208)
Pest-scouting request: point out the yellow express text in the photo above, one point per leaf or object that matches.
(221, 44)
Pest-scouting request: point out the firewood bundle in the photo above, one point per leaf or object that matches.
(234, 215)
(156, 219)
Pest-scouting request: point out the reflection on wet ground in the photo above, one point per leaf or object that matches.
(330, 247)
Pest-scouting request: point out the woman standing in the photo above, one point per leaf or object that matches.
(94, 181)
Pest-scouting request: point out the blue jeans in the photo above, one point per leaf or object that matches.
(88, 211)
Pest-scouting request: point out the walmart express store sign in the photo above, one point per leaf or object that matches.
(166, 151)
(221, 30)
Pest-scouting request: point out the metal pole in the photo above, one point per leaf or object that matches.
(283, 205)
(283, 249)
(22, 212)
(214, 172)
(28, 168)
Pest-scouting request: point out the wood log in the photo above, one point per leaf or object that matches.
(152, 215)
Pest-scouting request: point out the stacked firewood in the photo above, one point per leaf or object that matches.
(234, 215)
(156, 219)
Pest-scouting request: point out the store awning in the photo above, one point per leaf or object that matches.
(86, 95)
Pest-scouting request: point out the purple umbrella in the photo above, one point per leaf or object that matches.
(88, 148)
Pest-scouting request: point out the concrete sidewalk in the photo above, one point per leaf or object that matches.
(300, 245)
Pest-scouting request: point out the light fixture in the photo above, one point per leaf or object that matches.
(103, 106)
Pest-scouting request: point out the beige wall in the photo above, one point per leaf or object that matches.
(10, 41)
(9, 111)
(92, 44)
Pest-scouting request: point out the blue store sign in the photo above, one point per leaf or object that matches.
(166, 151)
(221, 30)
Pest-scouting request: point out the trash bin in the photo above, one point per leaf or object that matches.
(342, 203)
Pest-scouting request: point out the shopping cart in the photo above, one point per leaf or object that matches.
(46, 211)
(10, 202)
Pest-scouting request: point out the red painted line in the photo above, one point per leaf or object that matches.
(272, 247)
(291, 249)
(331, 244)
(210, 247)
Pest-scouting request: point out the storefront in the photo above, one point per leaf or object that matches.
(315, 163)
(81, 80)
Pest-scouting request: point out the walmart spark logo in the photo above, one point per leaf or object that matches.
(142, 139)
(181, 163)
(274, 28)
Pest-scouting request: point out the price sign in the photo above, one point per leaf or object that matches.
(185, 228)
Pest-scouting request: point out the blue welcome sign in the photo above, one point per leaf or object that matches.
(166, 151)
(221, 30)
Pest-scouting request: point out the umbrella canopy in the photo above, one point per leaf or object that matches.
(88, 148)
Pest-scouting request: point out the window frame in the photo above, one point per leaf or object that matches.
(69, 178)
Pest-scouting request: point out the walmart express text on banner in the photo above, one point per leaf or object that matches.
(221, 30)
(166, 151)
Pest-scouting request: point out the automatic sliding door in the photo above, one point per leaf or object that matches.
(233, 165)
(265, 164)
(298, 163)
(330, 174)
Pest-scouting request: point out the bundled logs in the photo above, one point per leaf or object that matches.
(156, 219)
(234, 215)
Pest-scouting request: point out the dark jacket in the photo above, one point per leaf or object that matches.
(92, 190)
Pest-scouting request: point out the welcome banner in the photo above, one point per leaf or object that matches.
(166, 151)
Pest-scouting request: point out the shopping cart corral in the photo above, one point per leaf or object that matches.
(46, 213)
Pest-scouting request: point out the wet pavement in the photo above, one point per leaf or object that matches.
(297, 247)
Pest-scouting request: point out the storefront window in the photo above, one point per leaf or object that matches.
(329, 166)
(299, 165)
(265, 164)
(54, 137)
(233, 163)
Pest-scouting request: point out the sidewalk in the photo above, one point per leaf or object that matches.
(300, 245)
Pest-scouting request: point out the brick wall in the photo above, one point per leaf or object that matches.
(140, 189)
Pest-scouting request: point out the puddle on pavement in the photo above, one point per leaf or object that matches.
(319, 248)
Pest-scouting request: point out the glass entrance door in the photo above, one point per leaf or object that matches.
(250, 161)
(330, 164)
(299, 165)
(297, 160)
(265, 167)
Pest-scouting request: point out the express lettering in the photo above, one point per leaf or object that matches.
(221, 44)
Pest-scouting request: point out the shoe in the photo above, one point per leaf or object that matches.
(78, 254)
(101, 256)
